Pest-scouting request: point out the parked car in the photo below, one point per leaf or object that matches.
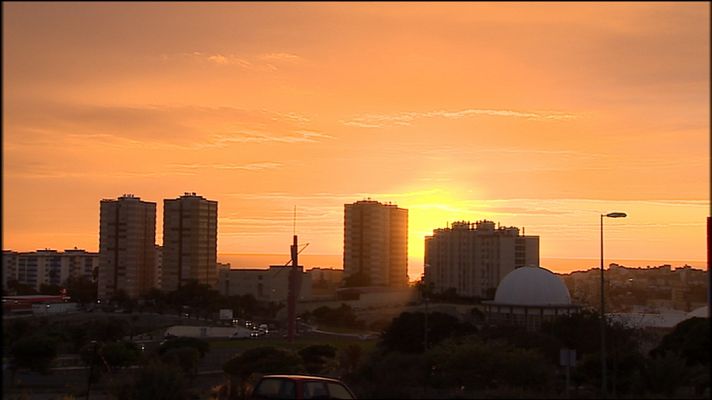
(300, 387)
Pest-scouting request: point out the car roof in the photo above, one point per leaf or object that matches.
(302, 378)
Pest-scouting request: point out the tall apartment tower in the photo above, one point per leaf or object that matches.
(472, 258)
(375, 244)
(190, 245)
(127, 234)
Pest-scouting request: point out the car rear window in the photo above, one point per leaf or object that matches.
(273, 388)
(315, 390)
(338, 391)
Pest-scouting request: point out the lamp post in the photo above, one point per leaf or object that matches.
(91, 367)
(603, 305)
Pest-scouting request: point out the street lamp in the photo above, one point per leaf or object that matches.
(603, 305)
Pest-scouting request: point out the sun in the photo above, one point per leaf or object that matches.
(433, 208)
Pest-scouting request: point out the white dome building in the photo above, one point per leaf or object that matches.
(527, 296)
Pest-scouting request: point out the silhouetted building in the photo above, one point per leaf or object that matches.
(375, 244)
(127, 236)
(190, 246)
(472, 258)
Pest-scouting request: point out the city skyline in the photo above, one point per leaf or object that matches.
(494, 114)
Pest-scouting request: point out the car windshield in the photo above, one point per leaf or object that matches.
(274, 388)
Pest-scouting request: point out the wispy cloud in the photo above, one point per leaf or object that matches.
(407, 118)
(256, 166)
(171, 125)
(261, 137)
(260, 62)
(280, 56)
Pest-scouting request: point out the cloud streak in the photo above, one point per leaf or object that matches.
(407, 118)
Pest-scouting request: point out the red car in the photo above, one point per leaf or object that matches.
(300, 387)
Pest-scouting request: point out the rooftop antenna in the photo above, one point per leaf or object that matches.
(294, 223)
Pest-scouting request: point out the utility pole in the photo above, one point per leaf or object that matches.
(292, 294)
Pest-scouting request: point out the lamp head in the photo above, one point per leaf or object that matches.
(616, 215)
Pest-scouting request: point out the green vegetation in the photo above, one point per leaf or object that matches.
(34, 353)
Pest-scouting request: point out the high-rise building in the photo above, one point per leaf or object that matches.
(127, 235)
(158, 275)
(375, 244)
(472, 258)
(190, 245)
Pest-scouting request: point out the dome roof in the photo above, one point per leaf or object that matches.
(532, 286)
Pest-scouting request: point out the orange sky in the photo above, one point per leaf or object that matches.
(534, 115)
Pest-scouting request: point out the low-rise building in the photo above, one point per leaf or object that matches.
(325, 281)
(48, 267)
(271, 284)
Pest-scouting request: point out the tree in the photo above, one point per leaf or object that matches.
(261, 360)
(196, 295)
(264, 360)
(317, 357)
(120, 354)
(358, 279)
(664, 374)
(159, 381)
(52, 290)
(200, 345)
(184, 357)
(391, 375)
(20, 289)
(107, 329)
(15, 329)
(343, 316)
(470, 362)
(34, 352)
(349, 358)
(81, 289)
(407, 331)
(690, 339)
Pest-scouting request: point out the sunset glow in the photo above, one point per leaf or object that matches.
(540, 115)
